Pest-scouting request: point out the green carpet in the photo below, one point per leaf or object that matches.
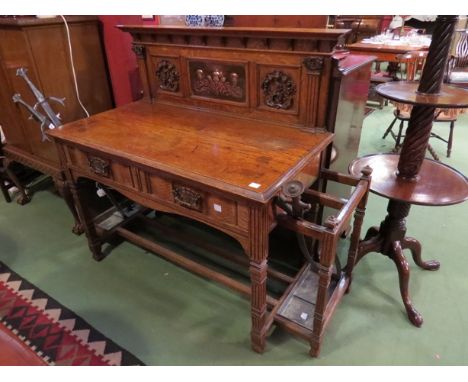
(167, 316)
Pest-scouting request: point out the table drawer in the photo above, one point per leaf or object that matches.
(197, 201)
(184, 198)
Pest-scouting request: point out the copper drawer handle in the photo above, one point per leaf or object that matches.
(187, 197)
(99, 166)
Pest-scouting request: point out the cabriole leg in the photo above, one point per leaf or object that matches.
(403, 274)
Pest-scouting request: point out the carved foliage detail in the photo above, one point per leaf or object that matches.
(217, 84)
(168, 76)
(99, 166)
(187, 197)
(279, 90)
(220, 80)
(139, 50)
(314, 64)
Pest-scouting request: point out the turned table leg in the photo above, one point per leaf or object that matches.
(94, 242)
(258, 277)
(324, 273)
(258, 254)
(66, 194)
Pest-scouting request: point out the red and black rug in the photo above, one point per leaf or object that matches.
(55, 333)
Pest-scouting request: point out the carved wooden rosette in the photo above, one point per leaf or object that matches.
(420, 124)
(168, 76)
(314, 63)
(279, 90)
(99, 166)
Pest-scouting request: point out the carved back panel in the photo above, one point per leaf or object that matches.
(261, 73)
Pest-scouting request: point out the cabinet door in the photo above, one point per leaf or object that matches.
(20, 131)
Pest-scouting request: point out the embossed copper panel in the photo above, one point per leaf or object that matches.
(218, 80)
(187, 197)
(99, 166)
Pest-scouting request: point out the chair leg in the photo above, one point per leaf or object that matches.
(450, 139)
(433, 153)
(389, 129)
(4, 189)
(398, 138)
(24, 197)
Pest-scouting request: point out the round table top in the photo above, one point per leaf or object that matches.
(407, 92)
(437, 184)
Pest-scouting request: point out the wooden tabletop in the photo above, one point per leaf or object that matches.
(407, 92)
(198, 145)
(375, 48)
(437, 184)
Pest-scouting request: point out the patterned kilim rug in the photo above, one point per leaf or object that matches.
(54, 332)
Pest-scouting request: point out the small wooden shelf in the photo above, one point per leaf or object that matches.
(299, 305)
(407, 92)
(429, 189)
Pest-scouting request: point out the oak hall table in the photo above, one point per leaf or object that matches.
(229, 117)
(218, 170)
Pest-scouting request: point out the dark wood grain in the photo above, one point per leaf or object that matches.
(410, 178)
(407, 92)
(267, 32)
(211, 158)
(383, 52)
(199, 145)
(307, 306)
(41, 46)
(437, 184)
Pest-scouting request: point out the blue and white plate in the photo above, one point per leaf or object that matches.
(195, 20)
(214, 20)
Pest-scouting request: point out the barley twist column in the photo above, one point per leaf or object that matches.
(420, 123)
(410, 178)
